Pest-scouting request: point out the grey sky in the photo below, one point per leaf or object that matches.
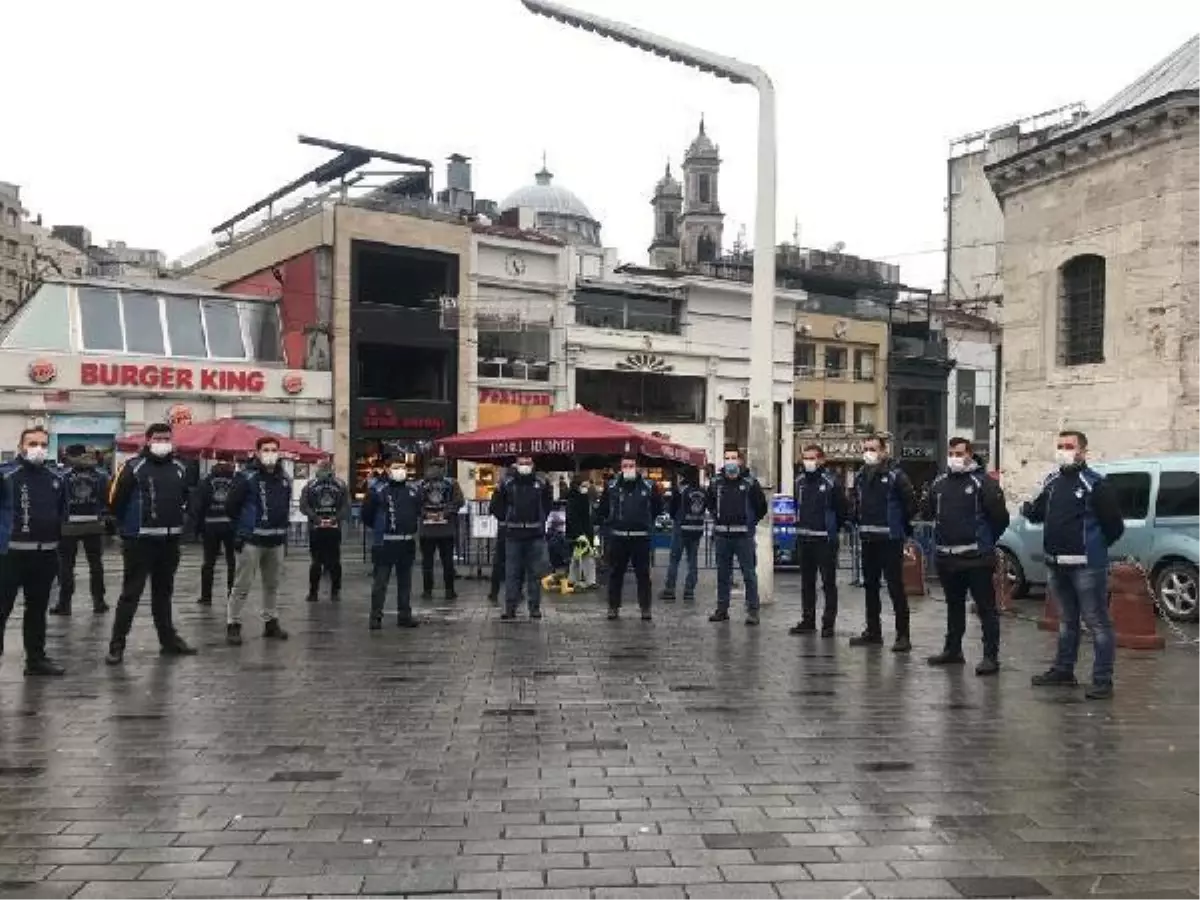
(151, 123)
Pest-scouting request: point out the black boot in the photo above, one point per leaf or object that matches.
(721, 615)
(409, 621)
(311, 596)
(272, 630)
(614, 613)
(946, 658)
(43, 666)
(60, 609)
(335, 595)
(116, 652)
(99, 606)
(902, 644)
(177, 646)
(647, 616)
(204, 601)
(376, 622)
(752, 617)
(804, 626)
(828, 630)
(988, 666)
(867, 639)
(667, 594)
(509, 614)
(233, 635)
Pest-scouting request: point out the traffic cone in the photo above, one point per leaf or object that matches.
(1131, 606)
(913, 572)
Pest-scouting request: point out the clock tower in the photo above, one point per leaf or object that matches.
(702, 223)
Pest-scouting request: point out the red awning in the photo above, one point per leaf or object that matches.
(576, 432)
(223, 437)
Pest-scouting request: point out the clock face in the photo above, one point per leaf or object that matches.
(514, 265)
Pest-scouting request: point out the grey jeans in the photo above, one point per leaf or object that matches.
(252, 560)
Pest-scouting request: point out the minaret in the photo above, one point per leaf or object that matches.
(668, 204)
(703, 222)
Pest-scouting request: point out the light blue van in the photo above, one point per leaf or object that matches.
(1159, 497)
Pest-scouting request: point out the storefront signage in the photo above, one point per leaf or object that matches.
(504, 397)
(536, 446)
(179, 415)
(384, 418)
(42, 371)
(292, 384)
(835, 449)
(916, 451)
(172, 378)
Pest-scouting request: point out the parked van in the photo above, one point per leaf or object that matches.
(1159, 498)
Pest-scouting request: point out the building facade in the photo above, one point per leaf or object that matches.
(14, 250)
(93, 359)
(972, 394)
(1101, 306)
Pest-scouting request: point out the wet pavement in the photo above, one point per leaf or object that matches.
(581, 758)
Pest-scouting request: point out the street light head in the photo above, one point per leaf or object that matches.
(712, 63)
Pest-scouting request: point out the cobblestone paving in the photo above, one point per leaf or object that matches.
(581, 758)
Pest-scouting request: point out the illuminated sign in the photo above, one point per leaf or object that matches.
(504, 397)
(42, 371)
(172, 378)
(380, 417)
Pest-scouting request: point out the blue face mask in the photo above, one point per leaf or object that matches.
(731, 467)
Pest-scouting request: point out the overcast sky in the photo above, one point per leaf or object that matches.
(151, 123)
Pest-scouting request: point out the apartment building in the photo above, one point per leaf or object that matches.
(14, 249)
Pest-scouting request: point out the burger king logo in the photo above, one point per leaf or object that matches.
(179, 415)
(293, 383)
(42, 371)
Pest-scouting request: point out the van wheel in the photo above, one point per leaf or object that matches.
(1175, 589)
(1015, 575)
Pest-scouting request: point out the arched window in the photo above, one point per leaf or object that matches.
(705, 188)
(706, 248)
(1081, 311)
(668, 228)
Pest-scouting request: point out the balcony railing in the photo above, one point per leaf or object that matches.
(864, 375)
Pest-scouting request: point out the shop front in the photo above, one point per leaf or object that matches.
(504, 406)
(383, 428)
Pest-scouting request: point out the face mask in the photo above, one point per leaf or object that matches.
(161, 448)
(269, 459)
(810, 465)
(398, 474)
(582, 489)
(36, 455)
(731, 467)
(524, 470)
(1064, 458)
(956, 463)
(629, 474)
(870, 457)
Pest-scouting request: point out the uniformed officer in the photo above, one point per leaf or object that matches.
(87, 507)
(213, 527)
(1082, 520)
(441, 499)
(820, 514)
(259, 505)
(499, 557)
(968, 511)
(391, 510)
(325, 500)
(33, 507)
(884, 508)
(629, 508)
(522, 503)
(687, 507)
(148, 500)
(737, 504)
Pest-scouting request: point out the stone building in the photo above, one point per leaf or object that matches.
(1099, 270)
(688, 222)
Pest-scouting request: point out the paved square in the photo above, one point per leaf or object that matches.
(583, 758)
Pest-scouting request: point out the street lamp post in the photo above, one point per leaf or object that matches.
(761, 440)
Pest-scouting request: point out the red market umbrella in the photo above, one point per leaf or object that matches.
(576, 432)
(223, 437)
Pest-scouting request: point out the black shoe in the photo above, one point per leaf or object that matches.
(902, 644)
(43, 667)
(752, 617)
(666, 595)
(508, 615)
(647, 616)
(494, 599)
(1099, 691)
(1054, 678)
(376, 623)
(451, 595)
(335, 596)
(203, 601)
(233, 635)
(427, 595)
(60, 609)
(177, 646)
(828, 631)
(946, 658)
(116, 653)
(804, 626)
(989, 665)
(614, 613)
(689, 598)
(407, 622)
(310, 597)
(867, 639)
(721, 615)
(99, 607)
(535, 613)
(273, 631)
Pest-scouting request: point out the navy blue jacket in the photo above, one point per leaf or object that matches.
(820, 506)
(260, 504)
(689, 508)
(629, 507)
(884, 503)
(1081, 517)
(87, 489)
(325, 499)
(392, 510)
(150, 496)
(737, 504)
(33, 505)
(969, 515)
(521, 504)
(207, 509)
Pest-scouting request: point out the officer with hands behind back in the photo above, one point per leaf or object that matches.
(212, 525)
(522, 504)
(325, 502)
(629, 508)
(87, 487)
(688, 509)
(737, 504)
(391, 510)
(820, 514)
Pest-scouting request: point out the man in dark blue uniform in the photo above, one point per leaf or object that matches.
(522, 503)
(325, 501)
(33, 507)
(884, 508)
(442, 498)
(629, 508)
(212, 525)
(391, 510)
(499, 557)
(737, 504)
(148, 500)
(820, 514)
(87, 498)
(688, 509)
(1082, 519)
(968, 512)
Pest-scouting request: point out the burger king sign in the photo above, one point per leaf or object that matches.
(42, 371)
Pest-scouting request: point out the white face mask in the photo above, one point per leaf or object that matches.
(629, 474)
(524, 469)
(810, 465)
(956, 463)
(398, 474)
(582, 489)
(36, 455)
(1064, 458)
(269, 458)
(870, 457)
(161, 448)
